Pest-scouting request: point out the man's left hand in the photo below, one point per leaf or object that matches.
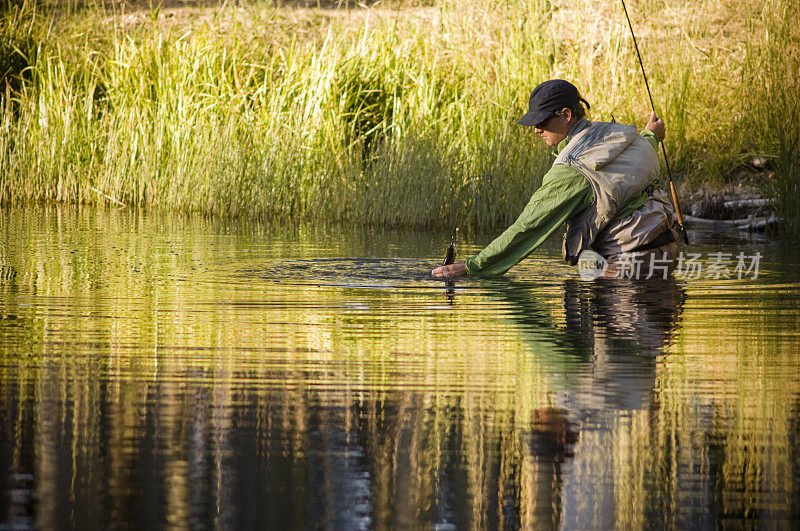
(458, 269)
(657, 126)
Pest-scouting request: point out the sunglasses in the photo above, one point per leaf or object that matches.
(543, 123)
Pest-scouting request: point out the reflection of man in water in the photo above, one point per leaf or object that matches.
(618, 329)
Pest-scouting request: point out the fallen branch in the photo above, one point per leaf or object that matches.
(750, 223)
(761, 223)
(717, 223)
(748, 203)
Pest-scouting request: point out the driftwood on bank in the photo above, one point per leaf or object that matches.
(759, 214)
(750, 223)
(761, 223)
(715, 223)
(748, 203)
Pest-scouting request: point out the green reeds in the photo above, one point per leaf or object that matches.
(392, 116)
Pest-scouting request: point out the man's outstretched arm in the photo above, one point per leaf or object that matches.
(564, 193)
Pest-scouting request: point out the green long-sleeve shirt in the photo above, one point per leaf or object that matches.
(564, 193)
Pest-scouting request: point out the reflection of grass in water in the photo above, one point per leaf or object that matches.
(396, 117)
(417, 387)
(743, 386)
(279, 360)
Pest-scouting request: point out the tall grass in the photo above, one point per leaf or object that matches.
(388, 115)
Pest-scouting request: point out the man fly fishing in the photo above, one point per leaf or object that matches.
(601, 185)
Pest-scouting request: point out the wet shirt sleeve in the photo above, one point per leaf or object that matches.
(563, 194)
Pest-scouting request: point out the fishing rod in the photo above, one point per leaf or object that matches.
(663, 149)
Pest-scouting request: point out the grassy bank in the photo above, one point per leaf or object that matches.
(390, 114)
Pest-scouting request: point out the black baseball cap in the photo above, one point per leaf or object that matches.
(548, 98)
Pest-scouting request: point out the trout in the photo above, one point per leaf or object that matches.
(450, 256)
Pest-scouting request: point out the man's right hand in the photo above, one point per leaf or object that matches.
(656, 125)
(458, 269)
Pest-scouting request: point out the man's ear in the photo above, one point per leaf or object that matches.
(567, 113)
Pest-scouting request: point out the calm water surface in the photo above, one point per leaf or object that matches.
(167, 371)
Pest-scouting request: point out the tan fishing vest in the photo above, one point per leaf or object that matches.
(619, 164)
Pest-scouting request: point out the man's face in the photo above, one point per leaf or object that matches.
(555, 129)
